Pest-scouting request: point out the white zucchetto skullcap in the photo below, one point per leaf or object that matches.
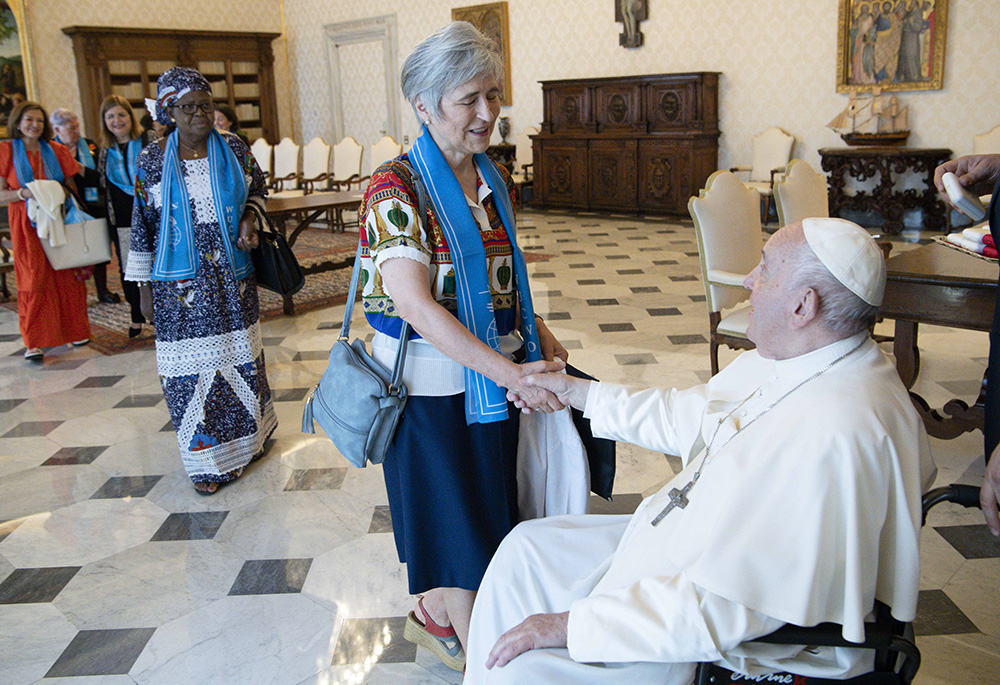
(850, 254)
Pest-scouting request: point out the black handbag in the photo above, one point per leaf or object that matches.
(275, 266)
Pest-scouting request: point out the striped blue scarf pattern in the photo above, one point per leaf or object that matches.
(176, 255)
(485, 401)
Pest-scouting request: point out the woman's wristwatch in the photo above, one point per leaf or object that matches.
(19, 196)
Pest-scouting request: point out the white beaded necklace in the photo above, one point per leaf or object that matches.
(678, 498)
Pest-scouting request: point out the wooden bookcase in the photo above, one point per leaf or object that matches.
(126, 61)
(632, 143)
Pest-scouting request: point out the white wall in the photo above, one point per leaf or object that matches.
(777, 59)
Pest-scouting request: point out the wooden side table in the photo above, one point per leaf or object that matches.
(886, 200)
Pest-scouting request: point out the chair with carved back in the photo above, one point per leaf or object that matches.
(263, 152)
(800, 193)
(346, 175)
(772, 151)
(726, 217)
(285, 176)
(383, 151)
(524, 175)
(346, 164)
(315, 166)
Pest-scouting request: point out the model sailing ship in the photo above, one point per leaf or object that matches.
(876, 120)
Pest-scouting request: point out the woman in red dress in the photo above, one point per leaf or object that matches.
(51, 305)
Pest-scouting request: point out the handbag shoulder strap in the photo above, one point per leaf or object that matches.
(404, 331)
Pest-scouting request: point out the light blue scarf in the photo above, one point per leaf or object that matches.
(84, 157)
(120, 173)
(176, 254)
(22, 167)
(485, 401)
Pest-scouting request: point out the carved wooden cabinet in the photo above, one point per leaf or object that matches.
(633, 143)
(239, 66)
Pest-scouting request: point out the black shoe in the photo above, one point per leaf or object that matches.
(108, 297)
(134, 332)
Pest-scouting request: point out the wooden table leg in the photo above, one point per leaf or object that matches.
(904, 346)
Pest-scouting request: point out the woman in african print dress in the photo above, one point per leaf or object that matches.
(190, 241)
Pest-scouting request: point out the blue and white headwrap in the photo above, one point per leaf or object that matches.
(172, 85)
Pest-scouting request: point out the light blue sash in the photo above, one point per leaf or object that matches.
(84, 157)
(120, 173)
(176, 254)
(22, 167)
(485, 401)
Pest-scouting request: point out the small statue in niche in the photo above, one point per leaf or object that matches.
(630, 13)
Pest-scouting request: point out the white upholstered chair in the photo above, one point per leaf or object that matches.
(800, 193)
(315, 166)
(772, 150)
(987, 143)
(726, 217)
(383, 151)
(286, 166)
(346, 164)
(523, 175)
(262, 152)
(346, 174)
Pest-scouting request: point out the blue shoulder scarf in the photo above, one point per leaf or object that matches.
(119, 172)
(22, 167)
(85, 158)
(176, 255)
(485, 401)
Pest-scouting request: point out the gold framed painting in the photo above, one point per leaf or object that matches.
(16, 75)
(491, 19)
(891, 45)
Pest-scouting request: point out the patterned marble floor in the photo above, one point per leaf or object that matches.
(112, 570)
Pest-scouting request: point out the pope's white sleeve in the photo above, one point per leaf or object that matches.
(659, 419)
(661, 619)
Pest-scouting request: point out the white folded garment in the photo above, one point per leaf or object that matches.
(45, 211)
(975, 234)
(962, 241)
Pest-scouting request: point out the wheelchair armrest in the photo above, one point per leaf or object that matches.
(965, 495)
(878, 636)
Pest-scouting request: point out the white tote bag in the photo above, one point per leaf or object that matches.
(87, 241)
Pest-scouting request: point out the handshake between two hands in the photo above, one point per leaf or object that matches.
(544, 386)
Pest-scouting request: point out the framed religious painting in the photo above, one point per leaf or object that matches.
(891, 45)
(16, 82)
(491, 19)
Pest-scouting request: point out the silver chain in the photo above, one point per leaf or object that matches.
(708, 449)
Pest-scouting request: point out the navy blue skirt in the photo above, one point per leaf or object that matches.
(452, 491)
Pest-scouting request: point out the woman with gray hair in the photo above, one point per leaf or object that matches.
(66, 127)
(457, 276)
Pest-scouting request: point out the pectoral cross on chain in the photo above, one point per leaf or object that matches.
(678, 500)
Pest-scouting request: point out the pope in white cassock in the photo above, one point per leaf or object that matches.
(799, 501)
